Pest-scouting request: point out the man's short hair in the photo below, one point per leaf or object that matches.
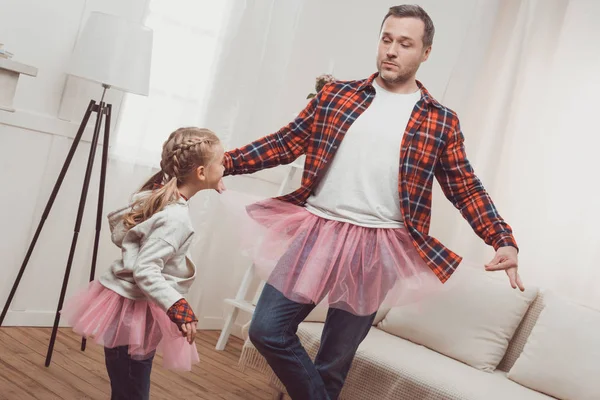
(414, 11)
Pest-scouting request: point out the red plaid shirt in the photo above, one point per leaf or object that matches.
(432, 146)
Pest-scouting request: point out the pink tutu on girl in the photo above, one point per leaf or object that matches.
(358, 269)
(112, 320)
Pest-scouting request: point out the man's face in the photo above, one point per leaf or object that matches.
(401, 51)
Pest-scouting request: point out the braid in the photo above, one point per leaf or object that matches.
(185, 150)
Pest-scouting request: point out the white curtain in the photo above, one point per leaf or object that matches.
(187, 37)
(532, 135)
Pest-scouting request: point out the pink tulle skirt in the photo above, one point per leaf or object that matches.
(112, 320)
(310, 259)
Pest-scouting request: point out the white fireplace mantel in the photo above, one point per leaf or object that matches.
(10, 71)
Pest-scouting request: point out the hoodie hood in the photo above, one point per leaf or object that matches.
(116, 223)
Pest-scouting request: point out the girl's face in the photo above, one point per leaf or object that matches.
(211, 174)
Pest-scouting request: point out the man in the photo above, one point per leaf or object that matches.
(352, 134)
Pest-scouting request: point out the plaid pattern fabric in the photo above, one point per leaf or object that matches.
(432, 147)
(181, 313)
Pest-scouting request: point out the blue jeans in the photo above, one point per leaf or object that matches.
(129, 378)
(273, 333)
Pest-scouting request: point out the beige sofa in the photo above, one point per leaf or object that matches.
(473, 356)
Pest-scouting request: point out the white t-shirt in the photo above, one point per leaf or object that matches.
(361, 184)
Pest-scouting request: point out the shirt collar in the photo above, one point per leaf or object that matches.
(425, 95)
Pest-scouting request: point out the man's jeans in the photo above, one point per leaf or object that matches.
(273, 333)
(129, 378)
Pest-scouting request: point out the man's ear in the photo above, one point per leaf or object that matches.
(426, 54)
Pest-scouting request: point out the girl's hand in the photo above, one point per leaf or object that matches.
(182, 315)
(189, 330)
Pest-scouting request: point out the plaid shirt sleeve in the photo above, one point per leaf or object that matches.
(464, 189)
(281, 147)
(181, 313)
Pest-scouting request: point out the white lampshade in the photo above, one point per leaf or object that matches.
(114, 51)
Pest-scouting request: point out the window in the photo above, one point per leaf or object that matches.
(187, 35)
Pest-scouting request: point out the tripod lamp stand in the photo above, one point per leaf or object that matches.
(114, 53)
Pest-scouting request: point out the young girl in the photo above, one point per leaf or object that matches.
(138, 307)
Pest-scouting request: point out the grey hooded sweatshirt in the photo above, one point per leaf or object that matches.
(155, 264)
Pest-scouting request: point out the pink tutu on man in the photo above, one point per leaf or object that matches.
(358, 269)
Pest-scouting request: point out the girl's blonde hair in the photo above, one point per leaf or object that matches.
(185, 150)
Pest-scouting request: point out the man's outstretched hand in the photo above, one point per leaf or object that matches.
(506, 259)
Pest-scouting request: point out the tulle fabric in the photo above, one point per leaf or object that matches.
(357, 269)
(112, 320)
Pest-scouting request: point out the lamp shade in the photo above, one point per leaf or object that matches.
(114, 51)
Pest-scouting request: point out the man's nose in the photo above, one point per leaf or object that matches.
(392, 51)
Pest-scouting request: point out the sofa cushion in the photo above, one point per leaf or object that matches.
(561, 355)
(472, 319)
(399, 369)
(319, 313)
(517, 343)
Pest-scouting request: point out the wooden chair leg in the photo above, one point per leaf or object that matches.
(227, 328)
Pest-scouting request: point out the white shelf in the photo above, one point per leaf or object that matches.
(17, 67)
(243, 305)
(10, 71)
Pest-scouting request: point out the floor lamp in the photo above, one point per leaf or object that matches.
(114, 53)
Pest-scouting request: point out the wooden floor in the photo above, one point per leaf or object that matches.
(74, 374)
